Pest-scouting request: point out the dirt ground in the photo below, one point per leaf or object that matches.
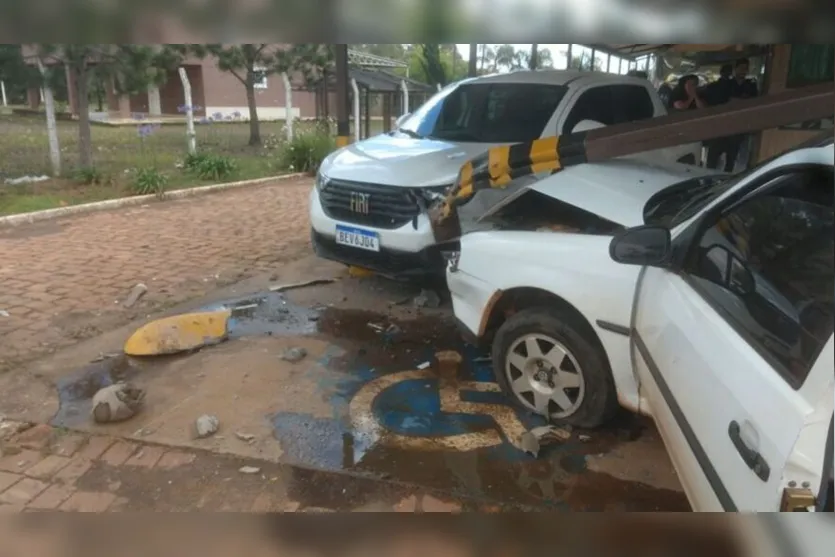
(361, 405)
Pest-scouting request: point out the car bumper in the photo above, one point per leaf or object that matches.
(396, 264)
(408, 251)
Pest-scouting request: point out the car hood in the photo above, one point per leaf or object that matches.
(616, 190)
(398, 160)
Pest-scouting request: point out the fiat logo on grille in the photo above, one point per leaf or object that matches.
(360, 202)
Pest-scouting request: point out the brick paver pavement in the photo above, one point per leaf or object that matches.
(47, 469)
(64, 280)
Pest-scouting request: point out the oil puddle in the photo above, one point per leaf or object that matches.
(268, 313)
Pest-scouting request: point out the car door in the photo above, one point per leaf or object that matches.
(723, 345)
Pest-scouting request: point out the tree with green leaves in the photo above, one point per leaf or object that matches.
(251, 63)
(433, 67)
(133, 68)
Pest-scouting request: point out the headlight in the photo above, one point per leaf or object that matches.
(321, 181)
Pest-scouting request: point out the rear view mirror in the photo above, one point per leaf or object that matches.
(641, 245)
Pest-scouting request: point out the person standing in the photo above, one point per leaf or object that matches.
(733, 87)
(686, 94)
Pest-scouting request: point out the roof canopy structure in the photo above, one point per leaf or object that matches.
(366, 60)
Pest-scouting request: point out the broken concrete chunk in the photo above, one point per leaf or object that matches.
(4, 313)
(427, 299)
(249, 470)
(245, 437)
(117, 403)
(138, 291)
(207, 426)
(294, 354)
(532, 441)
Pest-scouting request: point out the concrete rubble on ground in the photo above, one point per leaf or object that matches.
(532, 441)
(117, 403)
(427, 299)
(135, 295)
(206, 426)
(294, 354)
(4, 313)
(26, 180)
(249, 470)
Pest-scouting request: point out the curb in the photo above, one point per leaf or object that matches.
(36, 216)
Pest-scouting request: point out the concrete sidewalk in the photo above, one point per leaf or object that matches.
(48, 469)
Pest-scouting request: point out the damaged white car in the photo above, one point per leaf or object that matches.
(703, 300)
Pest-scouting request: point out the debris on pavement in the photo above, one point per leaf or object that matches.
(179, 333)
(532, 441)
(584, 438)
(424, 365)
(249, 470)
(117, 403)
(206, 426)
(294, 285)
(294, 354)
(4, 313)
(376, 326)
(427, 299)
(135, 295)
(26, 180)
(245, 437)
(105, 356)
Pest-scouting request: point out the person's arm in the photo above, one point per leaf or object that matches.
(699, 102)
(681, 104)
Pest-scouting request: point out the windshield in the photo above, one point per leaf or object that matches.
(677, 203)
(486, 113)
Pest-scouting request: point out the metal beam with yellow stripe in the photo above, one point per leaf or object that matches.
(499, 166)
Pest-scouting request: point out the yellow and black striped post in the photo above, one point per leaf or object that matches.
(343, 126)
(500, 165)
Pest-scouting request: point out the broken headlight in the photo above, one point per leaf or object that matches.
(321, 181)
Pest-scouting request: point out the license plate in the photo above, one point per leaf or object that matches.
(357, 238)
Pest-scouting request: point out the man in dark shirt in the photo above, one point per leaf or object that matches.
(729, 88)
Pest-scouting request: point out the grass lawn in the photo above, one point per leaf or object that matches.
(24, 151)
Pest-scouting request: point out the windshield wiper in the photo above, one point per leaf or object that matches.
(410, 133)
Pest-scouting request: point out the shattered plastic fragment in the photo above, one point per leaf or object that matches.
(532, 441)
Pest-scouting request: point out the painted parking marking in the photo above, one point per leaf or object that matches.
(370, 430)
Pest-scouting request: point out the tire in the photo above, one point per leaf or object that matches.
(578, 369)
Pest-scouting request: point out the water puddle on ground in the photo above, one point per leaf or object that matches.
(389, 416)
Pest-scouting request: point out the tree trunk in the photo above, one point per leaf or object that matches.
(472, 70)
(533, 62)
(85, 142)
(254, 124)
(51, 126)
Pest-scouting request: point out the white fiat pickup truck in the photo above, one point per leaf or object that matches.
(368, 205)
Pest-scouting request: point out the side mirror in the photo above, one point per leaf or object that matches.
(587, 125)
(642, 245)
(401, 119)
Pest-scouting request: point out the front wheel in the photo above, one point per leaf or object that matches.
(549, 367)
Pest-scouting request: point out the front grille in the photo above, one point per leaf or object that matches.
(388, 206)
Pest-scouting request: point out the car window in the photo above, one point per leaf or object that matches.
(767, 265)
(489, 113)
(610, 105)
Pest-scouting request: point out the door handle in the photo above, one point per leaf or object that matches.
(752, 458)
